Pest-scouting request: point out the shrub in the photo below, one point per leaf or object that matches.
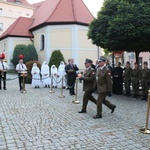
(29, 65)
(29, 53)
(56, 58)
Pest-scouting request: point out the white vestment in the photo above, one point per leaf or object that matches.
(45, 74)
(54, 75)
(35, 76)
(61, 73)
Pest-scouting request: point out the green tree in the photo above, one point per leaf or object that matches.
(28, 51)
(32, 53)
(56, 58)
(122, 25)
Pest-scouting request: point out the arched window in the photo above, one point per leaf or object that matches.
(42, 42)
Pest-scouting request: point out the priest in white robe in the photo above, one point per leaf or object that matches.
(35, 71)
(54, 76)
(45, 72)
(61, 75)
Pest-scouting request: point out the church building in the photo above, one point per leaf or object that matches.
(55, 25)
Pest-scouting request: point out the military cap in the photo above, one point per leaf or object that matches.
(88, 61)
(101, 59)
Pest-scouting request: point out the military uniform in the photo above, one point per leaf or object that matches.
(136, 75)
(127, 80)
(104, 86)
(88, 83)
(145, 77)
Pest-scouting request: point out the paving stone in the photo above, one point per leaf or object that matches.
(39, 120)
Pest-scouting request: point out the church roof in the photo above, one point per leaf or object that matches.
(61, 12)
(22, 2)
(37, 5)
(20, 28)
(50, 12)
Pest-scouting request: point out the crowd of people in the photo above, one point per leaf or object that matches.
(100, 78)
(135, 77)
(44, 77)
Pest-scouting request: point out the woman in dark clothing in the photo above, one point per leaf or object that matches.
(117, 79)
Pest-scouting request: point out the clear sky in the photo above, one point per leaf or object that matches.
(93, 5)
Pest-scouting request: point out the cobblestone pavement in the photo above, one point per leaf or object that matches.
(39, 120)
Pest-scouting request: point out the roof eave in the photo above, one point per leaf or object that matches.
(57, 23)
(3, 37)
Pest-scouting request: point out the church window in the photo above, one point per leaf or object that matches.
(42, 42)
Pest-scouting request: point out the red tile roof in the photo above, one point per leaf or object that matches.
(23, 2)
(50, 12)
(20, 28)
(37, 5)
(62, 11)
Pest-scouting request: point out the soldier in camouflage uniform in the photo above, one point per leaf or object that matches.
(136, 76)
(104, 88)
(127, 78)
(145, 78)
(88, 83)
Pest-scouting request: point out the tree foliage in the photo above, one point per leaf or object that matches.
(56, 58)
(28, 51)
(122, 25)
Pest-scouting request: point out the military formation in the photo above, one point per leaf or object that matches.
(138, 78)
(105, 80)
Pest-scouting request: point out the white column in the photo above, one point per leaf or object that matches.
(47, 44)
(75, 44)
(9, 51)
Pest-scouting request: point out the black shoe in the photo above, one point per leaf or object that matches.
(97, 116)
(38, 87)
(82, 111)
(113, 109)
(45, 86)
(144, 98)
(127, 94)
(134, 96)
(5, 89)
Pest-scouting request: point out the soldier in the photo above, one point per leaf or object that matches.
(127, 78)
(88, 83)
(104, 88)
(145, 77)
(135, 80)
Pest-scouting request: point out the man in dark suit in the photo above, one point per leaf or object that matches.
(71, 75)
